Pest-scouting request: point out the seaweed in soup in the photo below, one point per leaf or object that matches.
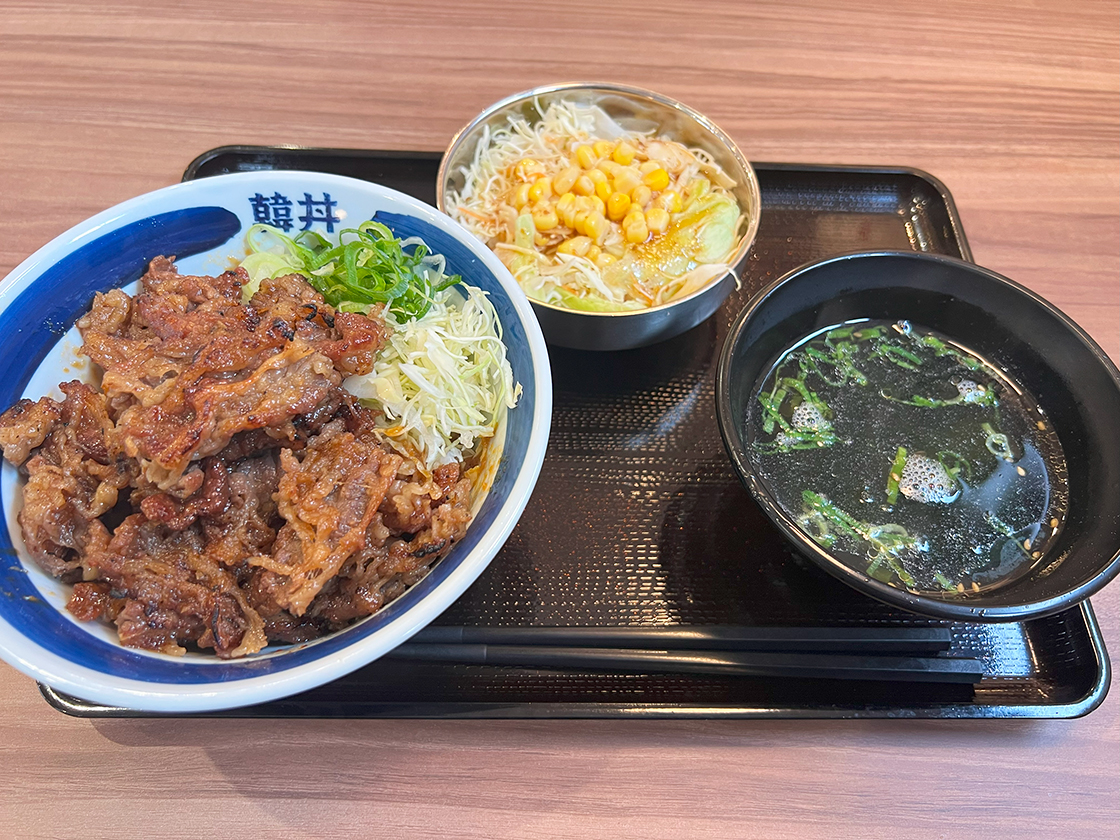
(910, 457)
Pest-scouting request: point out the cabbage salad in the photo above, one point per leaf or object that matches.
(590, 216)
(442, 382)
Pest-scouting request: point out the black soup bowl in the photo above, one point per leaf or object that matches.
(1071, 378)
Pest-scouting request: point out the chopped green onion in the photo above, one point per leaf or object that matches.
(997, 443)
(946, 584)
(884, 543)
(895, 475)
(368, 266)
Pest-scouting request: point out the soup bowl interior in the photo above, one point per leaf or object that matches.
(1068, 375)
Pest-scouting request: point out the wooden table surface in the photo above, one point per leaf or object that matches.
(1013, 105)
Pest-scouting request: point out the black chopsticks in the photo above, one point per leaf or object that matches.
(714, 637)
(858, 653)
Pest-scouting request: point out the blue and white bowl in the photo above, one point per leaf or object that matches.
(203, 223)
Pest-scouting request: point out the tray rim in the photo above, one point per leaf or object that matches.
(76, 707)
(192, 170)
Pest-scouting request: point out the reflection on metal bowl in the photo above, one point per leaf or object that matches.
(640, 110)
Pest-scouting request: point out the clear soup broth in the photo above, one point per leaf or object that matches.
(909, 457)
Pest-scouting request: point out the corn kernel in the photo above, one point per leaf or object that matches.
(641, 195)
(669, 200)
(657, 179)
(608, 166)
(583, 185)
(598, 205)
(657, 219)
(527, 170)
(545, 218)
(585, 156)
(594, 252)
(602, 148)
(636, 233)
(627, 179)
(577, 246)
(596, 226)
(584, 202)
(541, 188)
(565, 202)
(604, 259)
(539, 240)
(521, 196)
(617, 206)
(563, 181)
(603, 190)
(579, 219)
(648, 167)
(634, 227)
(623, 153)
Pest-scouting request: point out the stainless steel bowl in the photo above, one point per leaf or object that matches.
(640, 110)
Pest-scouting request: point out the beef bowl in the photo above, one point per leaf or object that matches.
(258, 430)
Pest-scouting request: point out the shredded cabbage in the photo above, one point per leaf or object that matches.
(693, 252)
(442, 381)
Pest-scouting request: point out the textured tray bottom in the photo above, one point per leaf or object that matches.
(638, 518)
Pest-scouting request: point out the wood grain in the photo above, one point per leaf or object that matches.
(1014, 105)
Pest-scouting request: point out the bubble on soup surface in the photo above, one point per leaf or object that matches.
(926, 480)
(808, 417)
(971, 392)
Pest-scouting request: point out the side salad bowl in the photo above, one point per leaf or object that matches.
(203, 224)
(634, 110)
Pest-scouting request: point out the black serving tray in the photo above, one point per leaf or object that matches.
(638, 518)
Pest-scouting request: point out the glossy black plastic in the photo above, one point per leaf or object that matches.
(1042, 350)
(639, 520)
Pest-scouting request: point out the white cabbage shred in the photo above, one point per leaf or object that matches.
(694, 252)
(442, 381)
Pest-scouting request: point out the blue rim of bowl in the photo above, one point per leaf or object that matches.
(28, 335)
(891, 595)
